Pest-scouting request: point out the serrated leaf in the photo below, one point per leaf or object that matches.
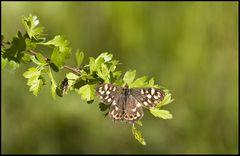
(103, 73)
(31, 72)
(17, 46)
(36, 86)
(167, 99)
(72, 76)
(138, 135)
(30, 23)
(53, 83)
(161, 113)
(105, 56)
(61, 52)
(35, 80)
(79, 57)
(95, 64)
(129, 76)
(140, 82)
(58, 57)
(58, 41)
(87, 92)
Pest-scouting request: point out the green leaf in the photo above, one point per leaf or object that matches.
(61, 52)
(58, 57)
(167, 99)
(31, 72)
(103, 73)
(161, 113)
(36, 86)
(30, 23)
(53, 83)
(138, 135)
(60, 42)
(17, 46)
(26, 58)
(72, 76)
(139, 123)
(33, 58)
(140, 82)
(3, 62)
(29, 44)
(79, 57)
(105, 56)
(35, 80)
(129, 76)
(87, 92)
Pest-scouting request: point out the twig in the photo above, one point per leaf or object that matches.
(73, 69)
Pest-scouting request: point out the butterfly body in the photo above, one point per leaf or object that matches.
(127, 103)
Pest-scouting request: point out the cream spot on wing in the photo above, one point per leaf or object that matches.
(106, 86)
(134, 109)
(155, 97)
(116, 108)
(109, 100)
(142, 92)
(149, 96)
(100, 88)
(155, 102)
(114, 88)
(145, 103)
(149, 101)
(106, 97)
(112, 112)
(114, 102)
(152, 91)
(138, 114)
(138, 104)
(102, 92)
(108, 92)
(146, 91)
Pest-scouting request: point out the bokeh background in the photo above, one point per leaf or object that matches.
(191, 48)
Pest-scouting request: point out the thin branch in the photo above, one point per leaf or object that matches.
(73, 69)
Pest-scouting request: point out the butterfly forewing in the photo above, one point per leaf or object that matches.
(148, 97)
(108, 92)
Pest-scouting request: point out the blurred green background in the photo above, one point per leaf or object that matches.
(190, 48)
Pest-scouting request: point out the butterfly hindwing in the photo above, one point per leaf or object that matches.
(117, 108)
(148, 97)
(133, 110)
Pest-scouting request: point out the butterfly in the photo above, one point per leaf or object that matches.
(126, 104)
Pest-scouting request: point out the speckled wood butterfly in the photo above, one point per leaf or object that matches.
(126, 103)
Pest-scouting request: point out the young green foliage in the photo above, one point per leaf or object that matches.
(138, 135)
(35, 80)
(30, 23)
(82, 79)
